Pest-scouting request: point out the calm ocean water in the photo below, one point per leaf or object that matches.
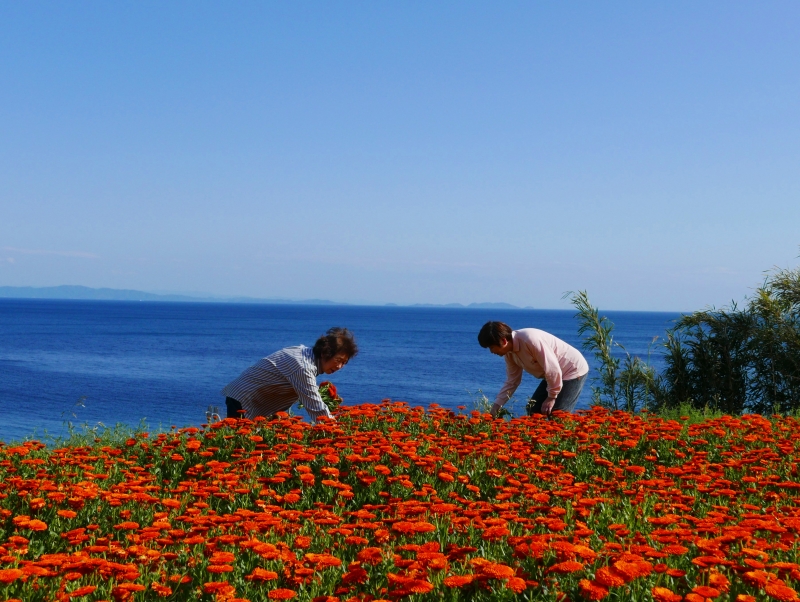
(115, 362)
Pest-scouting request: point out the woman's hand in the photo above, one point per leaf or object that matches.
(547, 406)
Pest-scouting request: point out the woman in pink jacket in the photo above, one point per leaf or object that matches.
(561, 367)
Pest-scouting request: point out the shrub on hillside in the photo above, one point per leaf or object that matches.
(739, 359)
(734, 359)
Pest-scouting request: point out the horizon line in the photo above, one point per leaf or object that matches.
(246, 300)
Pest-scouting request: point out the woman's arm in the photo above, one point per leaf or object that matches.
(513, 378)
(548, 360)
(305, 385)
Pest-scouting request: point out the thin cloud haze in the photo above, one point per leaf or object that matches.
(81, 254)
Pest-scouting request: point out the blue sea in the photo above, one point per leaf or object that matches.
(100, 363)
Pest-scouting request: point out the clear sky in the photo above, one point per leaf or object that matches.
(648, 152)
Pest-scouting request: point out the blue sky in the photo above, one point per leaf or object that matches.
(402, 152)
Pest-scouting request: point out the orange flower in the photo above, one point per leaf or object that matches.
(584, 552)
(282, 594)
(127, 526)
(355, 575)
(413, 527)
(609, 577)
(323, 560)
(67, 513)
(591, 590)
(221, 558)
(410, 584)
(38, 571)
(755, 553)
(10, 575)
(757, 578)
(259, 574)
(785, 566)
(706, 591)
(664, 594)
(632, 570)
(516, 585)
(497, 571)
(124, 591)
(162, 590)
(219, 587)
(566, 567)
(458, 580)
(370, 555)
(219, 568)
(781, 592)
(36, 525)
(674, 549)
(719, 581)
(82, 591)
(535, 549)
(495, 533)
(419, 586)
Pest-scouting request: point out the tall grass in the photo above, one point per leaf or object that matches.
(626, 384)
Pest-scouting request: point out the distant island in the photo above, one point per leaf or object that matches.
(471, 305)
(111, 294)
(85, 293)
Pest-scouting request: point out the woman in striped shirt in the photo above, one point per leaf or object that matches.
(279, 380)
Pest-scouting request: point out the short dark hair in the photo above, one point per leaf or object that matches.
(492, 333)
(335, 341)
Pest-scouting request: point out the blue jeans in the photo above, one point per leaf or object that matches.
(566, 400)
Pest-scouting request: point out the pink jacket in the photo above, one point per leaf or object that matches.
(543, 355)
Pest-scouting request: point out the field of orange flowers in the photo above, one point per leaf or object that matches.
(392, 502)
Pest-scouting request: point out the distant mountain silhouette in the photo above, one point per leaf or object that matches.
(493, 306)
(86, 293)
(112, 294)
(471, 305)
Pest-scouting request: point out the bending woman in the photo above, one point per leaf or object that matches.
(561, 367)
(279, 380)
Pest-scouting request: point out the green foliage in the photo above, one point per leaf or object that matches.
(737, 360)
(623, 384)
(731, 360)
(483, 404)
(688, 414)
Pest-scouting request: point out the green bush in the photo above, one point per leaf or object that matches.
(732, 360)
(736, 359)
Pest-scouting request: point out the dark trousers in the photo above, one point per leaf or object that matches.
(566, 400)
(233, 407)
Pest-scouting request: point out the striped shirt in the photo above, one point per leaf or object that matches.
(277, 381)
